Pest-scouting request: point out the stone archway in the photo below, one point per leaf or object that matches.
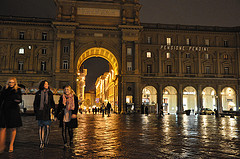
(113, 90)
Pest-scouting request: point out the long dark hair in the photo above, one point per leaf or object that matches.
(41, 85)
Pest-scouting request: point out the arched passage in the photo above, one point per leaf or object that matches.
(110, 79)
(209, 98)
(189, 98)
(149, 98)
(169, 100)
(228, 99)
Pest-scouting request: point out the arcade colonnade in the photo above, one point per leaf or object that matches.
(177, 100)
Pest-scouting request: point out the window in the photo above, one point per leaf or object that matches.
(129, 66)
(65, 49)
(206, 56)
(225, 43)
(44, 51)
(188, 42)
(149, 40)
(207, 70)
(149, 68)
(207, 42)
(225, 57)
(226, 70)
(188, 69)
(21, 35)
(43, 66)
(168, 55)
(169, 69)
(149, 54)
(20, 65)
(44, 36)
(187, 55)
(21, 51)
(129, 51)
(65, 64)
(169, 41)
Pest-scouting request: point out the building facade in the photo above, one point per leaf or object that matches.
(170, 68)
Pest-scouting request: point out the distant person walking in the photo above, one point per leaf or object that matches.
(108, 108)
(43, 104)
(10, 117)
(67, 114)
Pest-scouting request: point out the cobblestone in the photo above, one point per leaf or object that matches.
(135, 136)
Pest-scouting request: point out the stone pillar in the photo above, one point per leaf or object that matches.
(71, 70)
(180, 99)
(136, 57)
(58, 54)
(219, 100)
(123, 97)
(30, 66)
(124, 58)
(137, 99)
(160, 63)
(237, 99)
(180, 63)
(8, 59)
(218, 65)
(199, 64)
(160, 100)
(199, 98)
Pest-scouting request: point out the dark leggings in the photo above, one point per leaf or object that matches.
(66, 128)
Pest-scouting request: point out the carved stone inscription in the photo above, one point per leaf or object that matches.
(98, 12)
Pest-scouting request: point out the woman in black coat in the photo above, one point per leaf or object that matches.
(67, 114)
(10, 116)
(43, 105)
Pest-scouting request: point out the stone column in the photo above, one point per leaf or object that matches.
(160, 63)
(218, 65)
(160, 99)
(124, 58)
(199, 64)
(137, 99)
(180, 63)
(123, 97)
(8, 59)
(71, 70)
(30, 66)
(180, 99)
(58, 54)
(136, 57)
(199, 98)
(219, 100)
(237, 99)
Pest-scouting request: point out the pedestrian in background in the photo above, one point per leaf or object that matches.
(43, 106)
(67, 114)
(109, 108)
(10, 117)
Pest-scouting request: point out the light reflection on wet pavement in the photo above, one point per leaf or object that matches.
(135, 136)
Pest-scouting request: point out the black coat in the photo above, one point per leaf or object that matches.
(60, 112)
(45, 113)
(10, 110)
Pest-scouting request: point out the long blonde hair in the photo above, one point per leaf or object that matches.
(72, 91)
(15, 80)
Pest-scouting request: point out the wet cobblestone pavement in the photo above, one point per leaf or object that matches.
(135, 136)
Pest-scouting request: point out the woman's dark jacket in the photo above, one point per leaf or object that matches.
(45, 113)
(10, 111)
(60, 112)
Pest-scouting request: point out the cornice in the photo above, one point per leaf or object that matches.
(97, 27)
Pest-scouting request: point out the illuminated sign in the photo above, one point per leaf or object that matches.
(184, 48)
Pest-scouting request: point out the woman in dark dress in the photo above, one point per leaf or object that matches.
(67, 114)
(10, 116)
(43, 105)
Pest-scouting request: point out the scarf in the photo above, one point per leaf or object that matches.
(68, 101)
(44, 99)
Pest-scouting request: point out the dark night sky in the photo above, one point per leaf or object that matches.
(185, 12)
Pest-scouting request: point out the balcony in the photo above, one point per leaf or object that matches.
(149, 74)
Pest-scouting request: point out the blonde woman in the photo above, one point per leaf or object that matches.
(10, 117)
(67, 114)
